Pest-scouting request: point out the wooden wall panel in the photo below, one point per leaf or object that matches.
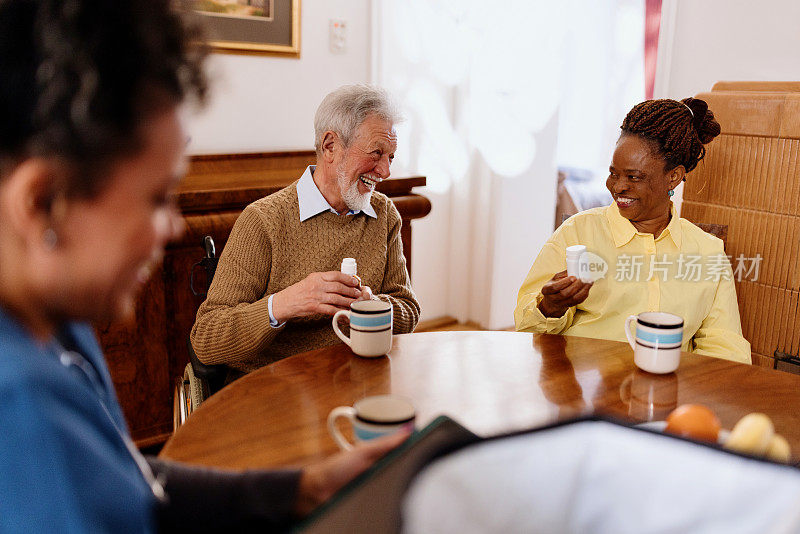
(750, 181)
(758, 86)
(134, 352)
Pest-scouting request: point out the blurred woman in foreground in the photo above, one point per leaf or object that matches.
(656, 260)
(90, 149)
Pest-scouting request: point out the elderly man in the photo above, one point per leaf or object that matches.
(278, 281)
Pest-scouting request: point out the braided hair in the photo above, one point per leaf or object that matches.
(79, 78)
(677, 129)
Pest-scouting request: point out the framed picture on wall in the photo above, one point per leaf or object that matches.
(254, 26)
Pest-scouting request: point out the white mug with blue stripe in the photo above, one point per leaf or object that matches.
(370, 327)
(657, 343)
(373, 417)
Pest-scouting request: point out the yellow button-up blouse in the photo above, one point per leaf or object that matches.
(684, 271)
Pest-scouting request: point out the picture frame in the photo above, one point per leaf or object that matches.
(251, 26)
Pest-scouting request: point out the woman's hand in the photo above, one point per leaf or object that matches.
(321, 480)
(561, 293)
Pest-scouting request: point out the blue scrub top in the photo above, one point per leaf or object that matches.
(64, 466)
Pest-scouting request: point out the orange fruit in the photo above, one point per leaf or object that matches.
(693, 421)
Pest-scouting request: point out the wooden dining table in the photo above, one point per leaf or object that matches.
(490, 382)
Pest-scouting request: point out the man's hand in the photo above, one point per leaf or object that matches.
(366, 294)
(561, 293)
(318, 293)
(321, 480)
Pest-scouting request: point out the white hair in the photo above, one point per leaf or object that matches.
(343, 111)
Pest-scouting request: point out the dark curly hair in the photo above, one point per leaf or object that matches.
(79, 77)
(677, 134)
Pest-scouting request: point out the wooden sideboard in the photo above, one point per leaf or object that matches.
(147, 355)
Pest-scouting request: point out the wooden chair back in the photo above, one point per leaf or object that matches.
(749, 182)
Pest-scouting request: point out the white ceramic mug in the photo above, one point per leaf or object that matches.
(657, 343)
(370, 327)
(372, 417)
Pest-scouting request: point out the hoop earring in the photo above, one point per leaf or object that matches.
(671, 193)
(50, 239)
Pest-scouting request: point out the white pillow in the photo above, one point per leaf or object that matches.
(595, 476)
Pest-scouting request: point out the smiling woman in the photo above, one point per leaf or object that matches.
(130, 220)
(657, 261)
(661, 141)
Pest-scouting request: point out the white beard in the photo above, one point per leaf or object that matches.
(353, 199)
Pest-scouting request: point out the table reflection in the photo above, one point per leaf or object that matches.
(557, 377)
(649, 397)
(364, 376)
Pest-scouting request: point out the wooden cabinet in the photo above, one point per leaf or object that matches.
(147, 355)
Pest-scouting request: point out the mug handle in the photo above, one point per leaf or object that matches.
(631, 337)
(336, 325)
(342, 411)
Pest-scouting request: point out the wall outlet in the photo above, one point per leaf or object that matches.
(338, 36)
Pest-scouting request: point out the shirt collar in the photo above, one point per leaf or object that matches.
(622, 230)
(311, 201)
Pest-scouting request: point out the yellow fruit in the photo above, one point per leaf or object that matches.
(779, 449)
(751, 435)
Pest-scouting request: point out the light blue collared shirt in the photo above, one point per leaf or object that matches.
(311, 203)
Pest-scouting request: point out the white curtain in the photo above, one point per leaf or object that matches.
(496, 96)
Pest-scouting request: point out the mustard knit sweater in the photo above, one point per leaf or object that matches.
(268, 250)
